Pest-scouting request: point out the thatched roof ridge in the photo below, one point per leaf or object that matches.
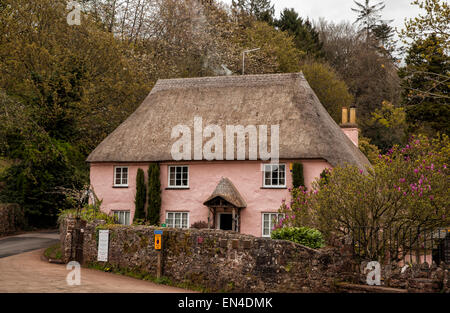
(226, 190)
(226, 81)
(307, 131)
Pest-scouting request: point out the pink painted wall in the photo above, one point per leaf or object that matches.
(203, 179)
(352, 133)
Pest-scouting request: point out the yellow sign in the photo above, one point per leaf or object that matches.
(158, 241)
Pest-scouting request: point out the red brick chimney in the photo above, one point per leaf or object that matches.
(349, 126)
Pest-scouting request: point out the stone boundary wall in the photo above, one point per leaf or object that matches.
(229, 261)
(423, 278)
(11, 218)
(215, 259)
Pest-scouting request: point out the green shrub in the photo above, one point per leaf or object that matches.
(306, 236)
(324, 177)
(54, 252)
(141, 221)
(89, 213)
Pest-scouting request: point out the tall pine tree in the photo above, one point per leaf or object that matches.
(306, 38)
(154, 194)
(426, 95)
(141, 195)
(368, 16)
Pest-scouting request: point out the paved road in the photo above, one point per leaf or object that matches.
(27, 242)
(28, 272)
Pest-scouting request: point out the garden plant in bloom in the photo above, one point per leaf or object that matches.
(405, 193)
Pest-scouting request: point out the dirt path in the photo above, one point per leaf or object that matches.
(27, 272)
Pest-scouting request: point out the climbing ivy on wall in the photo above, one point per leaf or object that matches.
(154, 194)
(297, 175)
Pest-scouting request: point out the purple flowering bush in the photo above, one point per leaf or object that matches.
(406, 188)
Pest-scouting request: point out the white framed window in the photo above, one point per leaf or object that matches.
(177, 219)
(121, 176)
(123, 217)
(269, 220)
(178, 176)
(274, 175)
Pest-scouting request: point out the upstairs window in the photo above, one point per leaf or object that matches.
(179, 176)
(275, 175)
(121, 176)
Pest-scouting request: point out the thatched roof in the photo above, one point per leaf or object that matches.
(228, 192)
(306, 129)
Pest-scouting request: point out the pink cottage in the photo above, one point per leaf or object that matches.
(234, 190)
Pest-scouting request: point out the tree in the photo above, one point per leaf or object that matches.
(278, 53)
(40, 165)
(426, 86)
(371, 151)
(388, 126)
(383, 34)
(425, 78)
(306, 38)
(368, 16)
(154, 194)
(63, 89)
(370, 76)
(405, 192)
(141, 196)
(262, 10)
(332, 92)
(435, 21)
(80, 82)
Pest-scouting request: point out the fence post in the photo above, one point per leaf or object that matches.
(418, 245)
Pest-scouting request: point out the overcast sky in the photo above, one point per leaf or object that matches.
(340, 10)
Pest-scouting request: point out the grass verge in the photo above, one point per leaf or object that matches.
(53, 252)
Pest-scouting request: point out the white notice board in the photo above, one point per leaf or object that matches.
(103, 243)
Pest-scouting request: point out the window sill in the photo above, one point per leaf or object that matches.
(120, 186)
(177, 188)
(274, 187)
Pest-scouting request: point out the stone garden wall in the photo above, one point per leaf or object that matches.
(215, 259)
(415, 278)
(229, 261)
(11, 218)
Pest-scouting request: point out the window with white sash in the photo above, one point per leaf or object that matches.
(178, 176)
(269, 220)
(177, 219)
(274, 175)
(123, 217)
(121, 176)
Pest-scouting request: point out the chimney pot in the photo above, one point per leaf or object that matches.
(344, 115)
(352, 115)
